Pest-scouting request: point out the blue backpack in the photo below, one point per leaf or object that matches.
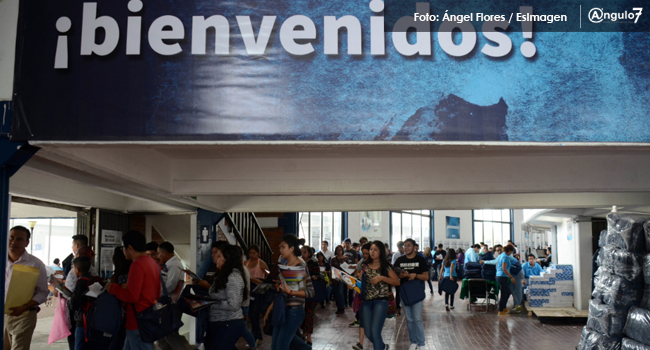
(103, 319)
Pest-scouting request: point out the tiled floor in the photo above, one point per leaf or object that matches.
(457, 329)
(454, 330)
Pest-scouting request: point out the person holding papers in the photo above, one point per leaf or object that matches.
(78, 303)
(20, 321)
(297, 286)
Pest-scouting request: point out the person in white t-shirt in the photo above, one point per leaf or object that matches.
(326, 252)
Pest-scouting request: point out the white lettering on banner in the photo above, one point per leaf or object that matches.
(200, 27)
(157, 34)
(296, 34)
(422, 45)
(256, 47)
(89, 30)
(505, 44)
(289, 34)
(332, 26)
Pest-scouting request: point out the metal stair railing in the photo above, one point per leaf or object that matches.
(248, 232)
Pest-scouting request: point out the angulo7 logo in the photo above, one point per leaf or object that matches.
(597, 15)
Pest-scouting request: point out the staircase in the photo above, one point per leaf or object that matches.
(247, 231)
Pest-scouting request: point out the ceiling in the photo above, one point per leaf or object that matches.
(346, 176)
(23, 211)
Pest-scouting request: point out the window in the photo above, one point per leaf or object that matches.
(414, 224)
(52, 237)
(492, 227)
(316, 227)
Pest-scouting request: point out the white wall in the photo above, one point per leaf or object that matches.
(267, 222)
(440, 227)
(355, 232)
(583, 270)
(574, 248)
(8, 23)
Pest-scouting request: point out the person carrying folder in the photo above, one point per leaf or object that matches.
(19, 325)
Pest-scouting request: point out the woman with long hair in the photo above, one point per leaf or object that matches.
(338, 286)
(379, 278)
(307, 326)
(121, 268)
(227, 323)
(448, 272)
(294, 313)
(325, 270)
(257, 270)
(429, 257)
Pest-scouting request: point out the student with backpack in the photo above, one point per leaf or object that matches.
(79, 304)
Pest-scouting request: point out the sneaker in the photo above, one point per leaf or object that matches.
(413, 347)
(447, 307)
(354, 324)
(451, 307)
(517, 308)
(503, 313)
(358, 347)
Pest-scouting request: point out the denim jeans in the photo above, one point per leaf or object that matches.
(505, 291)
(414, 322)
(284, 334)
(339, 296)
(133, 341)
(225, 334)
(517, 289)
(373, 315)
(79, 339)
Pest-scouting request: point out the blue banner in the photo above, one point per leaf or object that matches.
(453, 227)
(334, 71)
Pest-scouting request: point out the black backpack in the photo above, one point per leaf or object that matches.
(103, 319)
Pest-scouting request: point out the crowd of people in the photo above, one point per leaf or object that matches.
(242, 288)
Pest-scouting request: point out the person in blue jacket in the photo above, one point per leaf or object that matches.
(472, 254)
(532, 268)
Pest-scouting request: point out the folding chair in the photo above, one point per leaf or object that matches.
(479, 288)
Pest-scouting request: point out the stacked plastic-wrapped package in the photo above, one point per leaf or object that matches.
(553, 288)
(489, 272)
(618, 286)
(637, 326)
(472, 270)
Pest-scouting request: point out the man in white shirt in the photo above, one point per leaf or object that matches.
(398, 253)
(172, 267)
(20, 324)
(172, 276)
(325, 250)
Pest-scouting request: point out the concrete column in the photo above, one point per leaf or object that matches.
(583, 268)
(194, 266)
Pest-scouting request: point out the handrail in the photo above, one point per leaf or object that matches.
(247, 231)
